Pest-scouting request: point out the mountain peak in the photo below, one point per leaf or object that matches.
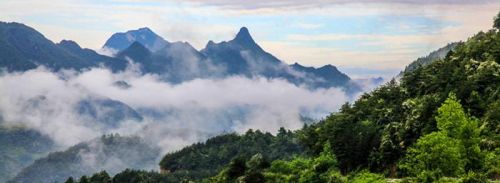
(328, 66)
(244, 36)
(69, 44)
(145, 29)
(145, 36)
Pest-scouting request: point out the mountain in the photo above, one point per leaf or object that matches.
(176, 62)
(433, 56)
(328, 75)
(23, 48)
(106, 112)
(20, 147)
(91, 56)
(112, 153)
(179, 61)
(242, 56)
(120, 41)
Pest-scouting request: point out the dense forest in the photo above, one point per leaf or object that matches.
(438, 123)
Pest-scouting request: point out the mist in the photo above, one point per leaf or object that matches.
(172, 115)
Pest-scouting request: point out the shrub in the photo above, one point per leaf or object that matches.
(472, 177)
(368, 177)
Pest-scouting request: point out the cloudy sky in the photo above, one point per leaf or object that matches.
(362, 38)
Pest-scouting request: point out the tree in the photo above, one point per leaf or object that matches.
(84, 179)
(367, 177)
(101, 177)
(451, 117)
(452, 150)
(496, 22)
(453, 121)
(70, 180)
(254, 169)
(435, 152)
(237, 168)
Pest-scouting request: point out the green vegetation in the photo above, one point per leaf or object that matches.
(206, 159)
(439, 123)
(451, 151)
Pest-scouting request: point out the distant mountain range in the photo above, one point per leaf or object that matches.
(23, 48)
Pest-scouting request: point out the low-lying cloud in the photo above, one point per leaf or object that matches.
(173, 115)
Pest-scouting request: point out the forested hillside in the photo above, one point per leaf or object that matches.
(206, 159)
(433, 56)
(20, 147)
(439, 123)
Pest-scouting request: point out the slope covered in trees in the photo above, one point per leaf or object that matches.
(382, 125)
(433, 56)
(206, 159)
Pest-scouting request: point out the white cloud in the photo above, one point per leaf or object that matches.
(174, 115)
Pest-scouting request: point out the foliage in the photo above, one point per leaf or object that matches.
(127, 176)
(367, 177)
(496, 21)
(380, 126)
(472, 177)
(435, 153)
(241, 170)
(451, 151)
(206, 159)
(301, 169)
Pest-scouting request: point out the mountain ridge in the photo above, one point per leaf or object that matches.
(24, 48)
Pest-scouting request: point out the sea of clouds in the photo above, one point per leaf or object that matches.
(174, 115)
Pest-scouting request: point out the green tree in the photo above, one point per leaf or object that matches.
(451, 151)
(254, 169)
(367, 177)
(453, 121)
(70, 180)
(237, 168)
(84, 179)
(101, 177)
(496, 21)
(435, 152)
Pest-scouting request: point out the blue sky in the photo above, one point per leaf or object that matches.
(363, 38)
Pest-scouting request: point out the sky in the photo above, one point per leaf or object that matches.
(363, 38)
